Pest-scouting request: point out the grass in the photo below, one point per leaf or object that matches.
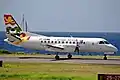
(54, 71)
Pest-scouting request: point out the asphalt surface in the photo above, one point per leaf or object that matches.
(62, 60)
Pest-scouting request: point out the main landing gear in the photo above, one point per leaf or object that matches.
(69, 56)
(57, 57)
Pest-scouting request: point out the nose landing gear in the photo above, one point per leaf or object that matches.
(105, 57)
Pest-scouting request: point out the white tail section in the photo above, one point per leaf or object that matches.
(13, 31)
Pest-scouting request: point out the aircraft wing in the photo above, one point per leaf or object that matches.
(56, 46)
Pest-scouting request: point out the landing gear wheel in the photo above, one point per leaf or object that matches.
(69, 56)
(57, 57)
(105, 57)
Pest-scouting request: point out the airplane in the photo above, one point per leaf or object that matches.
(16, 36)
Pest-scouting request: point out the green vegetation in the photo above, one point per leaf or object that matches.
(4, 52)
(54, 71)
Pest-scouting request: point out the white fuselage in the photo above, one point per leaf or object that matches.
(68, 44)
(16, 36)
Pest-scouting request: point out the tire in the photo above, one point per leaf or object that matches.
(69, 56)
(105, 58)
(57, 57)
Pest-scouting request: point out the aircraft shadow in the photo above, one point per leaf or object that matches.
(35, 58)
(64, 58)
(83, 59)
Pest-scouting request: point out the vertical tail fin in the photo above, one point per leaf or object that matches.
(11, 25)
(13, 30)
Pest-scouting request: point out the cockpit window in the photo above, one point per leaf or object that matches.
(101, 42)
(106, 42)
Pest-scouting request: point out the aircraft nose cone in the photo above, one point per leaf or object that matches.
(113, 48)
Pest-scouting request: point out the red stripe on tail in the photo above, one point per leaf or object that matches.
(8, 19)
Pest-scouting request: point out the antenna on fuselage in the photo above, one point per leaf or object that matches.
(71, 36)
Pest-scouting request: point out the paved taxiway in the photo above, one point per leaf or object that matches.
(62, 60)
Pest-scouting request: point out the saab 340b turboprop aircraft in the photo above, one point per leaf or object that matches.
(17, 37)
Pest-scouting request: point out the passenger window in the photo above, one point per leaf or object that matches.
(63, 42)
(73, 42)
(48, 41)
(44, 41)
(101, 42)
(55, 41)
(58, 41)
(41, 41)
(70, 42)
(66, 41)
(51, 41)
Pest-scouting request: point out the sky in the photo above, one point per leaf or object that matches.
(64, 15)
